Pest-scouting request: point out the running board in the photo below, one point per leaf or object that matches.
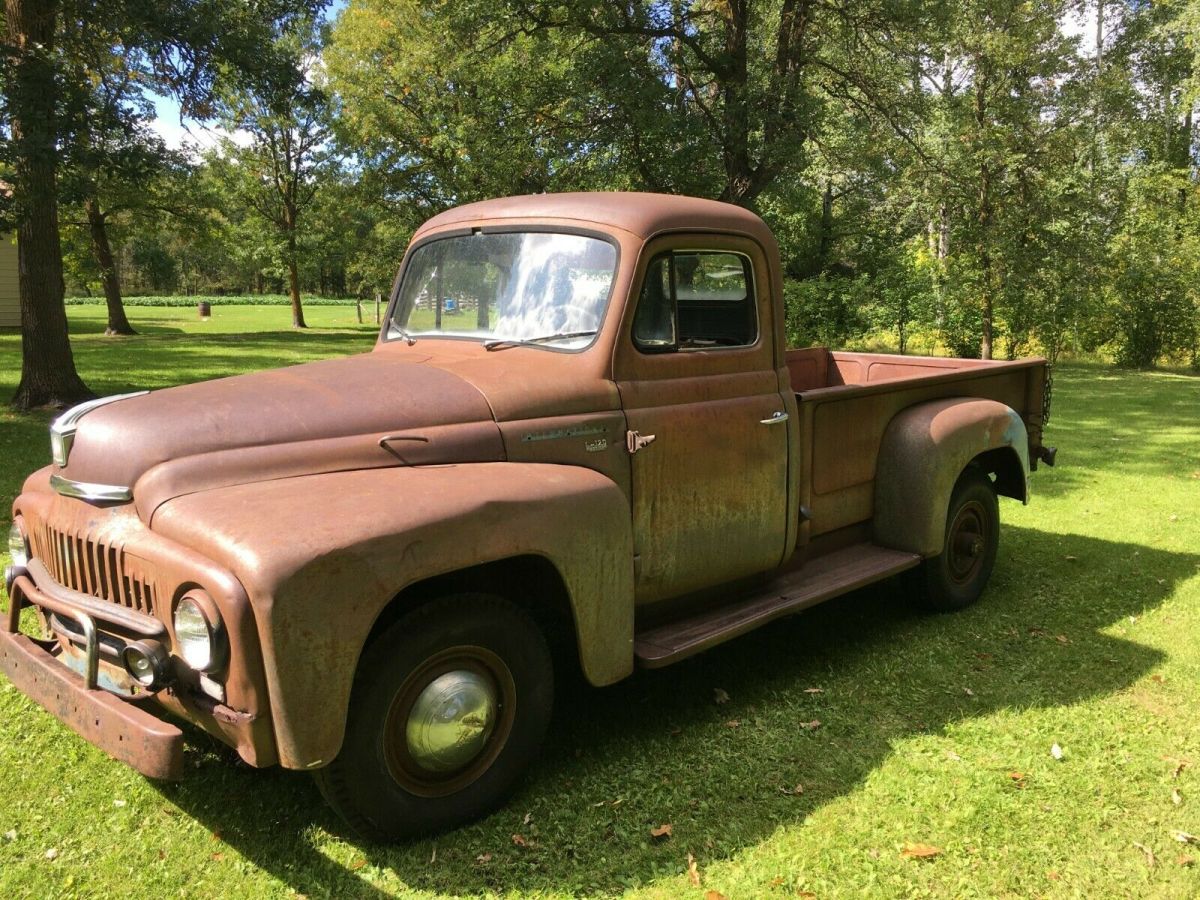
(822, 579)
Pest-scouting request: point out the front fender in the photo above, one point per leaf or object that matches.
(321, 556)
(923, 452)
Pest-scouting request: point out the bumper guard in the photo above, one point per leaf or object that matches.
(121, 729)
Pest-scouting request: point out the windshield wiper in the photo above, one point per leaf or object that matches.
(397, 331)
(501, 343)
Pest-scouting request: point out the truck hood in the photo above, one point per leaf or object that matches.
(323, 416)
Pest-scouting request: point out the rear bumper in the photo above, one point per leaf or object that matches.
(123, 730)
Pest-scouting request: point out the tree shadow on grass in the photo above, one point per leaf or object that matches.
(658, 744)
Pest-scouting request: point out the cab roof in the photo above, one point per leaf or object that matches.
(641, 214)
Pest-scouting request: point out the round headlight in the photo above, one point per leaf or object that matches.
(198, 633)
(18, 549)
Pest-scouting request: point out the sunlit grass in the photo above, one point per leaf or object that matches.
(933, 729)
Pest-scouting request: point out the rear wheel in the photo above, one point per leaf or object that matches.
(956, 577)
(449, 706)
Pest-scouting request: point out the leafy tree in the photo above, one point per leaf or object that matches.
(278, 171)
(186, 46)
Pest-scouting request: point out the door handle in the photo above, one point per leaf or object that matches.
(775, 419)
(635, 442)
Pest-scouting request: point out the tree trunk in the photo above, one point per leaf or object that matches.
(294, 273)
(826, 240)
(985, 227)
(118, 322)
(48, 376)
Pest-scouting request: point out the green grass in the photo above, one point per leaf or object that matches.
(227, 300)
(1088, 638)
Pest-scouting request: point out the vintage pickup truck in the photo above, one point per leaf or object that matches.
(580, 431)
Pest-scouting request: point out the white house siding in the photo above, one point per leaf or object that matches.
(10, 299)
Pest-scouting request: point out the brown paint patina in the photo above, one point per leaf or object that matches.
(671, 500)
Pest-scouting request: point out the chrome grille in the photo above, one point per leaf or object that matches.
(93, 567)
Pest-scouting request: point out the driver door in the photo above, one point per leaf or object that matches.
(708, 424)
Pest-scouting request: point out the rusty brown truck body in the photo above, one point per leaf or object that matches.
(580, 424)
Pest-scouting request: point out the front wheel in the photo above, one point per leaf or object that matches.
(450, 704)
(956, 577)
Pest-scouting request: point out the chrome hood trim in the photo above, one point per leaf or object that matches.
(83, 490)
(62, 429)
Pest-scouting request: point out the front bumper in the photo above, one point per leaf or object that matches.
(121, 729)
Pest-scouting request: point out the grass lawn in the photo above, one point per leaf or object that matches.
(934, 730)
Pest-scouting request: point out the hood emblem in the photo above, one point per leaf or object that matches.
(62, 430)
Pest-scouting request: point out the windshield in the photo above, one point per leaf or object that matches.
(510, 287)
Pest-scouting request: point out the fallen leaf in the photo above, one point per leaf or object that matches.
(1038, 632)
(814, 690)
(219, 857)
(10, 835)
(719, 696)
(52, 853)
(714, 895)
(662, 831)
(1179, 769)
(1018, 778)
(733, 723)
(1071, 558)
(1185, 860)
(1176, 797)
(1149, 853)
(968, 692)
(119, 803)
(693, 871)
(792, 792)
(1053, 876)
(811, 726)
(519, 841)
(778, 881)
(951, 755)
(1157, 679)
(1056, 751)
(920, 851)
(433, 856)
(1062, 639)
(618, 801)
(984, 656)
(1184, 838)
(162, 854)
(483, 858)
(528, 818)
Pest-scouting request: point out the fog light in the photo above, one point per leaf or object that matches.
(148, 663)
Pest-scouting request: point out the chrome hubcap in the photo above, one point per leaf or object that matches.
(451, 720)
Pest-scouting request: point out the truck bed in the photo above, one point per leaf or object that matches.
(846, 401)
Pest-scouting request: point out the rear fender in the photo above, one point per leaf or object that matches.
(925, 449)
(322, 556)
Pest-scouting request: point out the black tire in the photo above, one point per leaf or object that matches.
(376, 784)
(956, 578)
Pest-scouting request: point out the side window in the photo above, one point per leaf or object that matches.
(696, 299)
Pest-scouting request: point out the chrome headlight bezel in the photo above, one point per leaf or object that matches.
(18, 546)
(199, 631)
